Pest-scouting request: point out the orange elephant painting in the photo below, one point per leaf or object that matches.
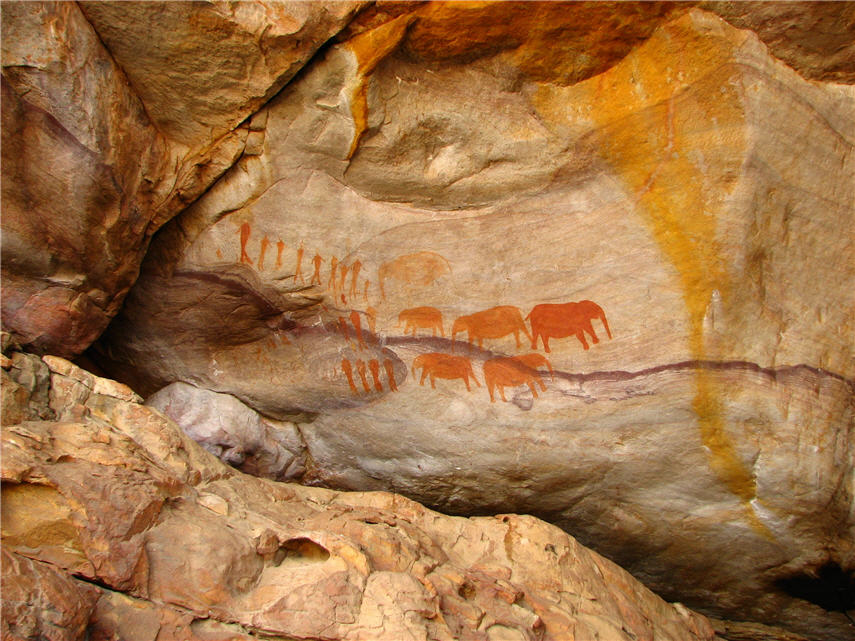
(496, 322)
(566, 319)
(420, 268)
(504, 372)
(439, 365)
(421, 318)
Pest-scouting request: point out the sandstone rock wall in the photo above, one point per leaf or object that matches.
(116, 525)
(587, 261)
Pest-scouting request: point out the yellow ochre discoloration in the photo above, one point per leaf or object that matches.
(649, 124)
(370, 48)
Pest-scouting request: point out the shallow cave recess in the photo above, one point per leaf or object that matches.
(830, 587)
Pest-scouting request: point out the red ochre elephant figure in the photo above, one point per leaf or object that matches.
(565, 319)
(421, 318)
(496, 322)
(439, 365)
(513, 371)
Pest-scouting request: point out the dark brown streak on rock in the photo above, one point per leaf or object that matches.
(445, 344)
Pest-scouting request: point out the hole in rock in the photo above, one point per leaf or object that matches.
(300, 550)
(830, 587)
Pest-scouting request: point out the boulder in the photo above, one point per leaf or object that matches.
(147, 535)
(233, 432)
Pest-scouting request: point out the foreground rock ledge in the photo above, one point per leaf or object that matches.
(112, 516)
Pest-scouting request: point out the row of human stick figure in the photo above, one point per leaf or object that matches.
(499, 372)
(374, 367)
(337, 282)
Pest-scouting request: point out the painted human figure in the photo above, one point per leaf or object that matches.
(316, 276)
(360, 367)
(374, 366)
(357, 325)
(299, 271)
(265, 242)
(354, 280)
(279, 247)
(348, 371)
(245, 231)
(333, 272)
(389, 366)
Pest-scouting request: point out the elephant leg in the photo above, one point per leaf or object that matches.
(517, 336)
(502, 393)
(490, 389)
(533, 388)
(542, 384)
(432, 382)
(590, 329)
(534, 336)
(545, 340)
(580, 334)
(424, 376)
(466, 380)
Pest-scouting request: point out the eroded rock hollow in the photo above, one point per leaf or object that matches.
(590, 262)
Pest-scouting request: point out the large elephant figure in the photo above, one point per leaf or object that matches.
(550, 320)
(496, 322)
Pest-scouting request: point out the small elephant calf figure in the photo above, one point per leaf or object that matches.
(513, 371)
(439, 365)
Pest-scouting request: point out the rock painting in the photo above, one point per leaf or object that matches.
(333, 272)
(371, 314)
(496, 322)
(265, 242)
(421, 318)
(439, 365)
(298, 272)
(354, 278)
(357, 326)
(389, 366)
(360, 368)
(348, 372)
(279, 247)
(374, 366)
(420, 269)
(513, 371)
(245, 231)
(565, 319)
(316, 275)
